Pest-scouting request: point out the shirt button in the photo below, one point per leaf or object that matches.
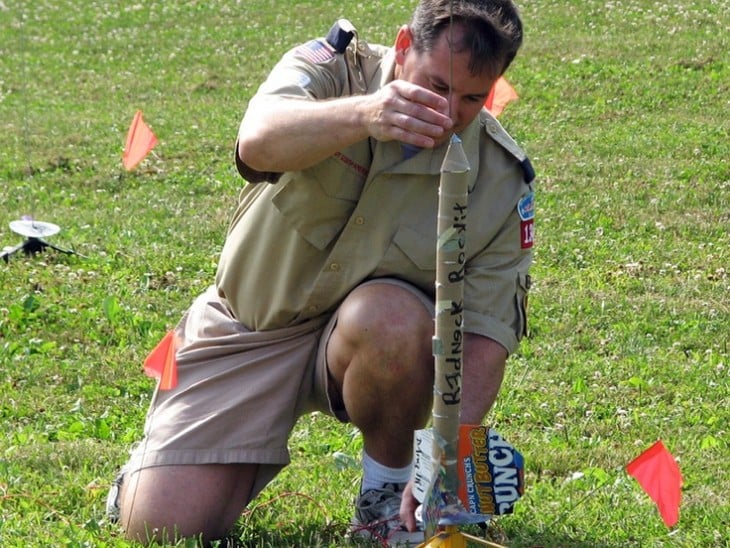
(312, 308)
(335, 267)
(492, 128)
(359, 220)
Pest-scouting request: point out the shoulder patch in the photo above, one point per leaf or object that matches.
(340, 35)
(526, 207)
(526, 211)
(315, 51)
(500, 135)
(528, 172)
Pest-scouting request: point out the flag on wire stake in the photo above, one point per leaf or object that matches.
(499, 96)
(162, 363)
(140, 141)
(658, 474)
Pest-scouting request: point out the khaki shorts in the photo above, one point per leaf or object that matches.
(240, 392)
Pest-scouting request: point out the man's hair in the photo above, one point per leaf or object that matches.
(492, 30)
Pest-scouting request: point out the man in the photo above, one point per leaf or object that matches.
(324, 291)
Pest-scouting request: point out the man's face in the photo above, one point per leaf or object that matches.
(434, 70)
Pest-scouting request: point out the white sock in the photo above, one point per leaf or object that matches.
(376, 475)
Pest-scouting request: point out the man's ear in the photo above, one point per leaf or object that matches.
(403, 42)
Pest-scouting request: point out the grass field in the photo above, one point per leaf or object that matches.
(625, 111)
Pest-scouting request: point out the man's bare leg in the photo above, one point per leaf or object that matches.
(170, 502)
(380, 357)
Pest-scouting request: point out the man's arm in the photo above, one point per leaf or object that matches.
(280, 134)
(484, 361)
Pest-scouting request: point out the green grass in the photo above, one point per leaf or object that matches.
(624, 111)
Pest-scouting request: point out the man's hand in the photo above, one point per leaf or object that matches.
(408, 507)
(408, 113)
(284, 134)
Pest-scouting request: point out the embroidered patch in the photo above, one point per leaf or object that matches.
(526, 207)
(303, 80)
(315, 51)
(526, 211)
(352, 164)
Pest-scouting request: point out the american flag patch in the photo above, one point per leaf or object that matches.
(315, 51)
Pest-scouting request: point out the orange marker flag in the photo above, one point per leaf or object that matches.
(140, 140)
(500, 94)
(162, 364)
(658, 474)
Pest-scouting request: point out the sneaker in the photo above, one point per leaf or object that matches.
(112, 499)
(377, 516)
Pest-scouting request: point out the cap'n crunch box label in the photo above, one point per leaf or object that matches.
(491, 471)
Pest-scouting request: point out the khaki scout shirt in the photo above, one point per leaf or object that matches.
(296, 248)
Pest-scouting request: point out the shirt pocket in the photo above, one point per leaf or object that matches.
(419, 248)
(317, 216)
(340, 177)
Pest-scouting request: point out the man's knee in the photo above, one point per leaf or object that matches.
(383, 334)
(168, 503)
(383, 313)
